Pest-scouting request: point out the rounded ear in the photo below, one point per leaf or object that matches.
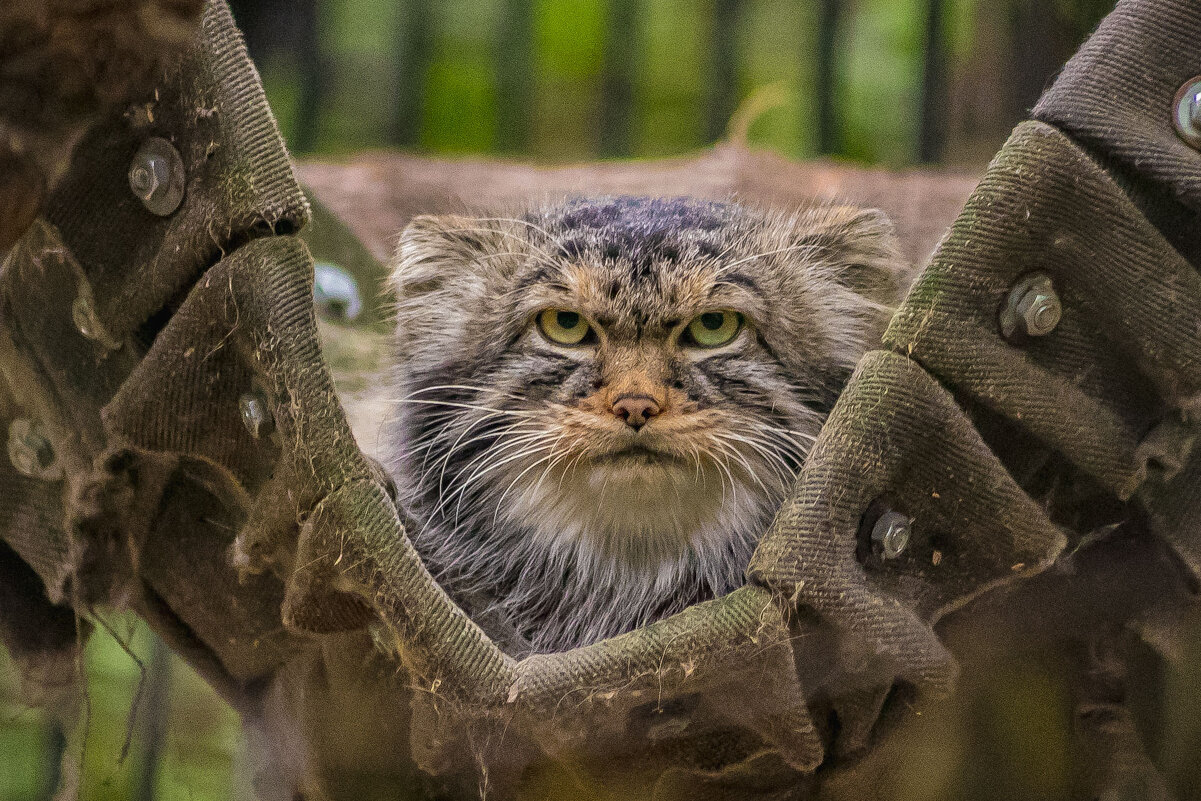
(445, 269)
(860, 246)
(433, 249)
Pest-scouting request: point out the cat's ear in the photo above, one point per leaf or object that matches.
(859, 246)
(434, 252)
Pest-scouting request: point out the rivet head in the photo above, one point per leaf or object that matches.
(156, 176)
(255, 414)
(1033, 308)
(890, 534)
(31, 452)
(1186, 115)
(335, 293)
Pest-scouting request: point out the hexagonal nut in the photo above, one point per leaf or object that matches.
(890, 534)
(1039, 311)
(157, 176)
(1032, 309)
(146, 176)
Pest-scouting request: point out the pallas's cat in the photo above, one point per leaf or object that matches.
(601, 403)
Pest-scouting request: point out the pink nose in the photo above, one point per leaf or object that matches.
(635, 410)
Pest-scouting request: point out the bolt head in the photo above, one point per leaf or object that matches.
(156, 176)
(890, 534)
(255, 414)
(1186, 115)
(1039, 312)
(146, 176)
(1033, 308)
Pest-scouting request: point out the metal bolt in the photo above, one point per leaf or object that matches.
(145, 177)
(335, 292)
(890, 534)
(30, 452)
(255, 414)
(1033, 308)
(1186, 116)
(1039, 312)
(156, 176)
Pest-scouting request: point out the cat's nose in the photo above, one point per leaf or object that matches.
(635, 410)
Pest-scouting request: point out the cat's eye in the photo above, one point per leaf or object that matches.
(713, 329)
(563, 326)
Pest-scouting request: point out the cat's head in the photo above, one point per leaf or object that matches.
(634, 378)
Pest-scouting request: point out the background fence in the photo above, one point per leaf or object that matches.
(896, 82)
(892, 81)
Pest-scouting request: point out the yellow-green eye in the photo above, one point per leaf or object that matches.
(562, 326)
(714, 328)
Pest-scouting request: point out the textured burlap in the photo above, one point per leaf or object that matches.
(1116, 97)
(63, 64)
(202, 468)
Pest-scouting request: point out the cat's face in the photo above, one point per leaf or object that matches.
(630, 378)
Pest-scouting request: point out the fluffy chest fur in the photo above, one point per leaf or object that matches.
(600, 404)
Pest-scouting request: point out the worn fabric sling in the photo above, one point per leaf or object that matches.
(177, 444)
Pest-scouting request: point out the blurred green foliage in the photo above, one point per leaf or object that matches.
(881, 53)
(197, 758)
(549, 80)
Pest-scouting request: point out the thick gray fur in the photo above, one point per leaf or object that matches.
(502, 444)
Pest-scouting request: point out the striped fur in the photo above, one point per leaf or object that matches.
(532, 510)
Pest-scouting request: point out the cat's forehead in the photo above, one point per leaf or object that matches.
(632, 218)
(640, 230)
(645, 257)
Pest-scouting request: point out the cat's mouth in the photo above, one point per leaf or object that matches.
(637, 454)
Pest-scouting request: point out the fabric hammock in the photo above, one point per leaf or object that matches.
(176, 444)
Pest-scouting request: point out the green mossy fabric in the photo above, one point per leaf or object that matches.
(1127, 350)
(272, 556)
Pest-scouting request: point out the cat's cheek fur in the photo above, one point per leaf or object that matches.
(499, 442)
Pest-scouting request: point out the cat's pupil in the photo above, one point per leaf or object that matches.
(567, 319)
(713, 320)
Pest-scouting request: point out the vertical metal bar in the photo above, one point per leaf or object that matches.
(722, 91)
(515, 76)
(829, 26)
(932, 135)
(616, 133)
